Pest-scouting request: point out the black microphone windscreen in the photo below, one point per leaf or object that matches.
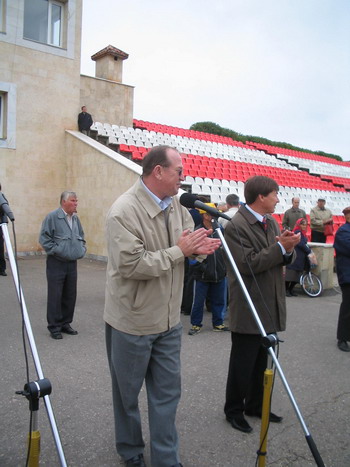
(188, 200)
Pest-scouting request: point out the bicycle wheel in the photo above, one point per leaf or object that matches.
(311, 284)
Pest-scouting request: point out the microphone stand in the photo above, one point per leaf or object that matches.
(36, 389)
(269, 342)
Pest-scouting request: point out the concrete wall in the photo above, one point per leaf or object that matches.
(44, 159)
(325, 263)
(107, 101)
(47, 81)
(99, 176)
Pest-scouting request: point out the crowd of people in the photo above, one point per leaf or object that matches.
(163, 258)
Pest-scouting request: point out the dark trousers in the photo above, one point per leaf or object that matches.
(61, 292)
(318, 237)
(187, 298)
(2, 252)
(343, 330)
(248, 361)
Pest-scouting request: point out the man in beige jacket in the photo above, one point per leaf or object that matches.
(149, 234)
(319, 217)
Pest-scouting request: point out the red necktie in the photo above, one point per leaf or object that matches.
(264, 224)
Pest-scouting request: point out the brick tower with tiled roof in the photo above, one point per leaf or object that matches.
(109, 63)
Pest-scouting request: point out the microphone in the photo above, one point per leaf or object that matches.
(4, 206)
(191, 201)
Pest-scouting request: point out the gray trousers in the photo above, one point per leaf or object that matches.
(154, 359)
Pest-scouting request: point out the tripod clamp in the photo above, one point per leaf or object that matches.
(270, 340)
(34, 390)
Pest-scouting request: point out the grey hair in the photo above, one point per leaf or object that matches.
(67, 194)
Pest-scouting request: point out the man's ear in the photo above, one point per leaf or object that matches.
(158, 172)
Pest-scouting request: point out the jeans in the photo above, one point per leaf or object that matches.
(217, 294)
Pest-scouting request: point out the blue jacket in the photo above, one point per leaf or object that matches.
(302, 250)
(59, 240)
(342, 249)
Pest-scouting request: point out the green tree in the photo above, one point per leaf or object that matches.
(215, 129)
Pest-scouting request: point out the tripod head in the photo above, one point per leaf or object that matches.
(34, 390)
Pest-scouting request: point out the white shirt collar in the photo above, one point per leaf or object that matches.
(259, 217)
(162, 203)
(64, 212)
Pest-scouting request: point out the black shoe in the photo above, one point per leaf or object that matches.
(293, 294)
(56, 335)
(273, 417)
(67, 329)
(240, 423)
(344, 346)
(3, 273)
(288, 294)
(136, 461)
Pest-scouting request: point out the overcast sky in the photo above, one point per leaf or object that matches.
(278, 69)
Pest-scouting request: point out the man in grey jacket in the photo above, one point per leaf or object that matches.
(62, 237)
(149, 234)
(293, 214)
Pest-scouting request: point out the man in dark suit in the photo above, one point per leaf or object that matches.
(260, 250)
(84, 121)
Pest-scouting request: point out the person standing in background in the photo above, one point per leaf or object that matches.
(2, 253)
(232, 203)
(342, 249)
(62, 237)
(209, 283)
(293, 214)
(319, 217)
(84, 121)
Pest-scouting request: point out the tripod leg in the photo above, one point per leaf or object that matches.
(265, 416)
(34, 437)
(34, 453)
(31, 340)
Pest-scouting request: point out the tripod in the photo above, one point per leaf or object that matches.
(33, 391)
(269, 342)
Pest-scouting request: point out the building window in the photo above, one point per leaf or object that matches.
(43, 21)
(7, 115)
(2, 15)
(2, 111)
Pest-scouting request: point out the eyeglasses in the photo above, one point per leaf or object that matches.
(179, 171)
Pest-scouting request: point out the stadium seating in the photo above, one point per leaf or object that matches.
(215, 165)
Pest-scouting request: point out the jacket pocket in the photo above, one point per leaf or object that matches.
(69, 248)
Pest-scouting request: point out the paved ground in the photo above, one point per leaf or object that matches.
(317, 372)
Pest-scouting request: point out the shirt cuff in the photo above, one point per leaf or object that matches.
(284, 253)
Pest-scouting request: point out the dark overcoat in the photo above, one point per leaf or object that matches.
(256, 252)
(342, 249)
